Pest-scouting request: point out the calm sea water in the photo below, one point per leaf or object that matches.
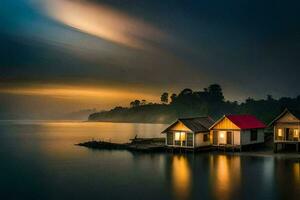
(38, 160)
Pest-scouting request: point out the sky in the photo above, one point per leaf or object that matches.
(59, 56)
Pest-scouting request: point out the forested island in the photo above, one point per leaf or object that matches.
(188, 103)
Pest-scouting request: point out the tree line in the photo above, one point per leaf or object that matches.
(188, 103)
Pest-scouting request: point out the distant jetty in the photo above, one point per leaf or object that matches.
(146, 145)
(136, 144)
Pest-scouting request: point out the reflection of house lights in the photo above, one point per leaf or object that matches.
(280, 132)
(221, 135)
(181, 176)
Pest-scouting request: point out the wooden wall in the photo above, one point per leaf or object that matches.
(179, 126)
(225, 124)
(199, 140)
(288, 117)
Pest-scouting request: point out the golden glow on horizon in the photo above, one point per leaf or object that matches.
(75, 93)
(102, 21)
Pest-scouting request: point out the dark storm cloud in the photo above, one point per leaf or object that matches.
(254, 44)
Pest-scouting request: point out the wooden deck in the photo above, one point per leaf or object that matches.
(228, 147)
(182, 149)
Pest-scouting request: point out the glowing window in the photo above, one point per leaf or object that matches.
(221, 135)
(183, 136)
(177, 136)
(296, 132)
(280, 132)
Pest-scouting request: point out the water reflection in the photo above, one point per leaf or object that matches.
(181, 176)
(40, 160)
(57, 138)
(225, 174)
(296, 171)
(268, 170)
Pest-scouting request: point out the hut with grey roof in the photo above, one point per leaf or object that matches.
(189, 132)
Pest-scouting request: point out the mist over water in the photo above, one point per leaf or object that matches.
(40, 161)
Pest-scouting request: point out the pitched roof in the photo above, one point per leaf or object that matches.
(296, 113)
(246, 121)
(242, 121)
(196, 124)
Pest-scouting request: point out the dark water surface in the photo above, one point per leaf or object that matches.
(39, 161)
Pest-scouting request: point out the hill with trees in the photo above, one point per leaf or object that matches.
(188, 103)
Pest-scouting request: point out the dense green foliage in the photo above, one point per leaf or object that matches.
(189, 103)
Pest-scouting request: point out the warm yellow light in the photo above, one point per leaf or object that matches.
(296, 172)
(183, 136)
(78, 92)
(221, 135)
(181, 177)
(280, 132)
(296, 133)
(222, 168)
(177, 136)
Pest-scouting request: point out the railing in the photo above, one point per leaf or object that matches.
(183, 144)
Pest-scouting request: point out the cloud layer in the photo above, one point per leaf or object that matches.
(104, 22)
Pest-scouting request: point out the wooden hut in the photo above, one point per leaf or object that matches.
(286, 129)
(189, 132)
(235, 131)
